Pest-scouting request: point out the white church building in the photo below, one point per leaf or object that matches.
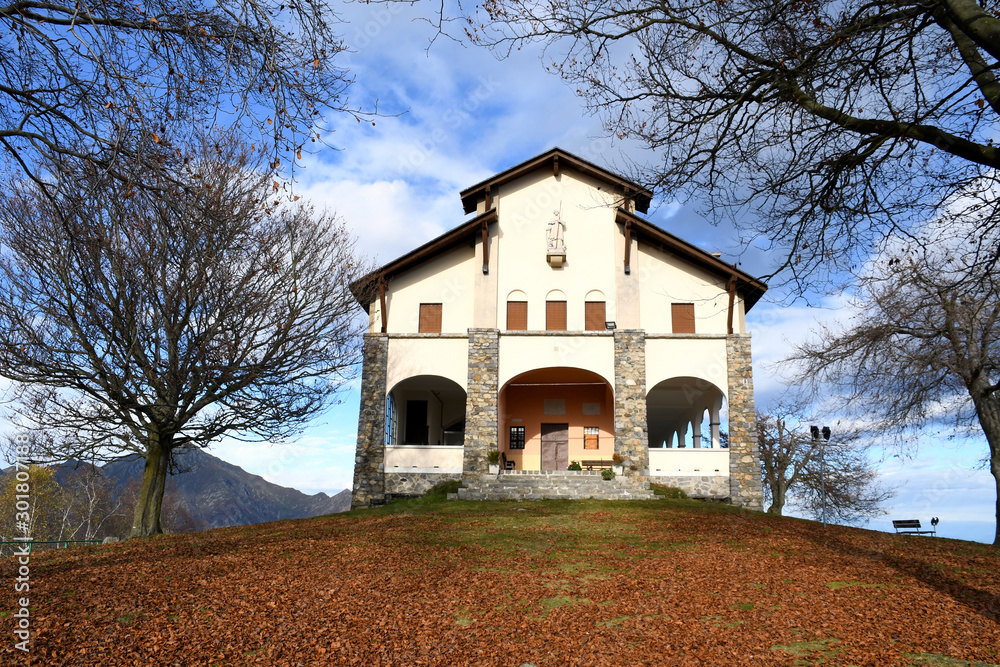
(557, 325)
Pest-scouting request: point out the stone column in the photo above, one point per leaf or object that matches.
(745, 486)
(631, 430)
(369, 462)
(481, 425)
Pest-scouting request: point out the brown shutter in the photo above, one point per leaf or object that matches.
(593, 316)
(517, 315)
(682, 317)
(430, 318)
(555, 316)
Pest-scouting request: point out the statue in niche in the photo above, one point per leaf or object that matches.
(555, 233)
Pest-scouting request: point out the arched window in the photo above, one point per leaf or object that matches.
(517, 311)
(555, 311)
(594, 311)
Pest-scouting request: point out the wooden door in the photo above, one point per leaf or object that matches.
(555, 446)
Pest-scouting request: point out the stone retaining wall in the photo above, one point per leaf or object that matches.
(715, 487)
(415, 483)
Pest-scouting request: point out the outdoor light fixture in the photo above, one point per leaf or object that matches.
(610, 326)
(815, 431)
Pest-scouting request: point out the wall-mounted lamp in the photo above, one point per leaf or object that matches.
(610, 326)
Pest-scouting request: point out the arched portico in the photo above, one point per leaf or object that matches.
(551, 416)
(684, 412)
(425, 410)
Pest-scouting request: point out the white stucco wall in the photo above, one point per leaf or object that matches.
(526, 206)
(409, 357)
(521, 353)
(688, 461)
(448, 280)
(664, 278)
(703, 358)
(424, 458)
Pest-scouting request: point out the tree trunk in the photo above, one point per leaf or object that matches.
(777, 499)
(154, 476)
(988, 410)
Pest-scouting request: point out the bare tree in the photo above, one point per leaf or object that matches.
(142, 321)
(100, 79)
(835, 473)
(922, 348)
(820, 127)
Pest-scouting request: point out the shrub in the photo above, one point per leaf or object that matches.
(493, 456)
(442, 489)
(574, 465)
(668, 492)
(608, 474)
(617, 459)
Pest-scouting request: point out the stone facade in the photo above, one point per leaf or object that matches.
(631, 433)
(415, 483)
(481, 425)
(744, 454)
(369, 461)
(708, 487)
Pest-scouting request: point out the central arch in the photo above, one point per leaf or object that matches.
(552, 416)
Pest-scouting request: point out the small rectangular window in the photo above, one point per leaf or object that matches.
(682, 317)
(591, 437)
(517, 315)
(516, 438)
(430, 318)
(555, 316)
(593, 316)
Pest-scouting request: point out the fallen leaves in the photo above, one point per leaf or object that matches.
(561, 583)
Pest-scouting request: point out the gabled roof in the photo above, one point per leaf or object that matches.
(555, 160)
(466, 232)
(751, 288)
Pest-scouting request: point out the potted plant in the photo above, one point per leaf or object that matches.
(493, 457)
(574, 465)
(608, 474)
(617, 463)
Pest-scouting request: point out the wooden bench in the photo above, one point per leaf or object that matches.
(912, 527)
(598, 464)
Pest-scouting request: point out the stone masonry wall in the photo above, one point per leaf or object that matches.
(415, 483)
(631, 432)
(369, 461)
(744, 454)
(481, 426)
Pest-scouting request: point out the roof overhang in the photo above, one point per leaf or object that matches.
(751, 288)
(555, 160)
(365, 289)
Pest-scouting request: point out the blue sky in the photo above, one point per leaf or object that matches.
(455, 115)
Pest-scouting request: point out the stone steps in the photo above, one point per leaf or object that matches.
(562, 485)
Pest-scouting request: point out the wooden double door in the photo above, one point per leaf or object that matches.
(555, 446)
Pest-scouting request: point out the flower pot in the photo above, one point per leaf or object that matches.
(618, 469)
(494, 468)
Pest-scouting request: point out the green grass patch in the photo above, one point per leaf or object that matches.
(935, 660)
(742, 606)
(816, 652)
(668, 492)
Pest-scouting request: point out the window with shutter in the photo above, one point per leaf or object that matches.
(591, 437)
(430, 318)
(555, 316)
(593, 316)
(517, 315)
(682, 317)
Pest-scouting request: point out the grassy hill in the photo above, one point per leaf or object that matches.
(433, 582)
